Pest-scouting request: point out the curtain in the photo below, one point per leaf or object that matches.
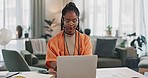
(12, 14)
(93, 15)
(125, 17)
(132, 19)
(144, 21)
(37, 17)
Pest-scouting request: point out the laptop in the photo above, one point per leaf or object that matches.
(76, 66)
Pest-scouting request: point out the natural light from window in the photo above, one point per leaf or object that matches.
(17, 12)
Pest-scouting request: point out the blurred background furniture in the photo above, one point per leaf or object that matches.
(35, 52)
(15, 62)
(143, 64)
(109, 55)
(132, 58)
(87, 31)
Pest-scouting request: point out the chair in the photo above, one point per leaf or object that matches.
(32, 55)
(15, 62)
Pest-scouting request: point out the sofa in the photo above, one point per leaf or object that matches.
(30, 53)
(118, 60)
(103, 44)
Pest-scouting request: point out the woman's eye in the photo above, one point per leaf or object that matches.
(74, 21)
(67, 21)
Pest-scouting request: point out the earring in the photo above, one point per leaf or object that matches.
(63, 27)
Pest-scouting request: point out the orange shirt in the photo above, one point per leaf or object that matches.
(56, 47)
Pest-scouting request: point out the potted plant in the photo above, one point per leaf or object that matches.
(26, 31)
(122, 44)
(109, 30)
(141, 40)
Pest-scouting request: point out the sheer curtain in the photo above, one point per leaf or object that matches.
(144, 22)
(126, 16)
(37, 17)
(17, 12)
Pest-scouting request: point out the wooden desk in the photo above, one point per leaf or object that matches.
(122, 72)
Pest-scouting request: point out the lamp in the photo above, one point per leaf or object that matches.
(5, 36)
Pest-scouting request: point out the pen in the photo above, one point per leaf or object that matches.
(13, 74)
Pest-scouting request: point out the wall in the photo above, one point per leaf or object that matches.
(53, 10)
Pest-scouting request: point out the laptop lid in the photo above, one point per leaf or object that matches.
(76, 66)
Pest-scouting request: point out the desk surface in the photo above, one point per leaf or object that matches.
(122, 72)
(32, 74)
(101, 73)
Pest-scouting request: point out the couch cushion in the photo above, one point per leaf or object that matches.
(41, 63)
(34, 59)
(143, 63)
(105, 47)
(108, 62)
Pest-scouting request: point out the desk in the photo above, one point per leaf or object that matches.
(30, 74)
(33, 75)
(122, 72)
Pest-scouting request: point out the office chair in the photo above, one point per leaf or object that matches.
(15, 62)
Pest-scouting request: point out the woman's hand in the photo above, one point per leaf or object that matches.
(52, 71)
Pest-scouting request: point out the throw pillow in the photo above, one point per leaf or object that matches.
(105, 47)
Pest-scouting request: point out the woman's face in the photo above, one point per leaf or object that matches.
(70, 22)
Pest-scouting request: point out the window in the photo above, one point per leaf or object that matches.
(126, 16)
(117, 13)
(13, 13)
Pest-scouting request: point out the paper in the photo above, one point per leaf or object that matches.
(3, 73)
(33, 75)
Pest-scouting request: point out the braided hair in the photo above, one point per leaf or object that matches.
(69, 7)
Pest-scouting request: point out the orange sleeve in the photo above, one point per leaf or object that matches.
(54, 49)
(50, 55)
(88, 46)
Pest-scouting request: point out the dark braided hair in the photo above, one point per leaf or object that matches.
(69, 7)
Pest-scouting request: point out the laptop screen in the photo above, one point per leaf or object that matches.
(76, 66)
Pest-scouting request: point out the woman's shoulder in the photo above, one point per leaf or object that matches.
(83, 36)
(57, 37)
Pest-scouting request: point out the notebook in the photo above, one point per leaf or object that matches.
(76, 66)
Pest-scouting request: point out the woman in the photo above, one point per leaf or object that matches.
(69, 41)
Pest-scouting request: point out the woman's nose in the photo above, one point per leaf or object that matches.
(71, 23)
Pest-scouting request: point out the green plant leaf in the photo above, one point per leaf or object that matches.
(140, 48)
(143, 39)
(133, 43)
(139, 42)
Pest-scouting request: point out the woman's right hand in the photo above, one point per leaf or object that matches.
(52, 71)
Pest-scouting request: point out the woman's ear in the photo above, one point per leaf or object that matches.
(63, 27)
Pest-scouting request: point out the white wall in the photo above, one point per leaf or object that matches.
(53, 10)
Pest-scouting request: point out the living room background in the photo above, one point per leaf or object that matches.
(126, 16)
